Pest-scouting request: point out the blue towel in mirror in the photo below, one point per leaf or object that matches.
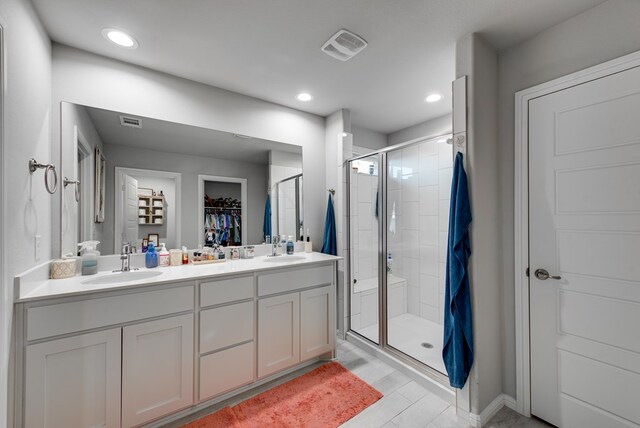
(457, 351)
(329, 244)
(266, 225)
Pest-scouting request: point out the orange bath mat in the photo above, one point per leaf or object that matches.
(325, 397)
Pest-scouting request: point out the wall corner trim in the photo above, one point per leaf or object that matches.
(502, 400)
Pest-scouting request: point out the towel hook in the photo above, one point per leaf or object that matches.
(67, 182)
(332, 191)
(34, 165)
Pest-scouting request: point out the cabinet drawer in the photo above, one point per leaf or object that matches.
(293, 279)
(226, 290)
(62, 318)
(226, 370)
(226, 326)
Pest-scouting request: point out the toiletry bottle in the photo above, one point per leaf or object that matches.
(389, 262)
(164, 257)
(185, 255)
(151, 256)
(89, 257)
(290, 245)
(308, 247)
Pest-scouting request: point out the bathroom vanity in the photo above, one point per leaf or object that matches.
(149, 349)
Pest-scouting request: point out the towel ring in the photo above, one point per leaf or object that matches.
(34, 165)
(67, 182)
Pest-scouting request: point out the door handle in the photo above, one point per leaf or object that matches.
(543, 275)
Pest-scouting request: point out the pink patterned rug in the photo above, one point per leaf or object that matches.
(325, 397)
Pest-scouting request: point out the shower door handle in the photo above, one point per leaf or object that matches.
(543, 275)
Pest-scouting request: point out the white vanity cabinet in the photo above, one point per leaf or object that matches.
(295, 326)
(102, 362)
(147, 353)
(227, 335)
(66, 375)
(157, 368)
(278, 333)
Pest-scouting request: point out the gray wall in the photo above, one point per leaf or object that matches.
(190, 167)
(92, 80)
(26, 205)
(479, 62)
(364, 137)
(430, 128)
(605, 32)
(75, 115)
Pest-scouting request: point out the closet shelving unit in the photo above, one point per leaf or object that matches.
(150, 210)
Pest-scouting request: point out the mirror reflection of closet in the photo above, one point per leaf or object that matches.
(223, 201)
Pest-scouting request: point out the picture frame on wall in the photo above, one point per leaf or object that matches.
(100, 184)
(155, 238)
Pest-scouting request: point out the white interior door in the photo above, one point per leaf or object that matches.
(130, 233)
(584, 181)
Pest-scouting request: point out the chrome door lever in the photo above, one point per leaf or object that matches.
(543, 275)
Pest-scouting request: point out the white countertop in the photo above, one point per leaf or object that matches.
(74, 286)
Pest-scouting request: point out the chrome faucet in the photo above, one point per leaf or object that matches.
(125, 257)
(275, 244)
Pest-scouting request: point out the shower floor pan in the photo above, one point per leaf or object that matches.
(408, 333)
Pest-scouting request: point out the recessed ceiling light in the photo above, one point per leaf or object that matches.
(433, 98)
(120, 38)
(303, 96)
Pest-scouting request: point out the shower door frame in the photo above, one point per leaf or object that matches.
(383, 344)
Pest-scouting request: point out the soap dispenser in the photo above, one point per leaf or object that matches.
(290, 247)
(89, 257)
(164, 256)
(151, 256)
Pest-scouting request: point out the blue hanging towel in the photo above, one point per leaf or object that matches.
(329, 245)
(266, 225)
(457, 351)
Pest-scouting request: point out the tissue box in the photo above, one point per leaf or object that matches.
(64, 268)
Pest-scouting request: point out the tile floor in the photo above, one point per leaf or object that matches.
(406, 404)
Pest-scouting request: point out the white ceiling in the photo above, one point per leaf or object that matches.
(271, 49)
(163, 136)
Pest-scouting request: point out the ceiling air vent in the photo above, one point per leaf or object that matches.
(131, 122)
(344, 45)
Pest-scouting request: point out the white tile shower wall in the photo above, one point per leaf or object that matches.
(419, 184)
(364, 236)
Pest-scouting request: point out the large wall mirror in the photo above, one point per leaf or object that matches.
(129, 178)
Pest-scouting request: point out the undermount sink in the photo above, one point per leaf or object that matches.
(117, 277)
(283, 259)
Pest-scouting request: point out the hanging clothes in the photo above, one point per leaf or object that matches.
(223, 226)
(457, 351)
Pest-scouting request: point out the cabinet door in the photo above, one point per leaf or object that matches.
(74, 382)
(157, 369)
(225, 370)
(278, 333)
(317, 331)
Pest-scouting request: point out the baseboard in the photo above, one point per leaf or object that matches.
(494, 407)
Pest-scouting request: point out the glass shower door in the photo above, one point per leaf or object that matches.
(364, 243)
(417, 202)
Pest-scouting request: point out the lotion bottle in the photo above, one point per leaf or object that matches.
(290, 247)
(89, 257)
(164, 256)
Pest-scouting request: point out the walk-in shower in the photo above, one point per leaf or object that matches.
(398, 220)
